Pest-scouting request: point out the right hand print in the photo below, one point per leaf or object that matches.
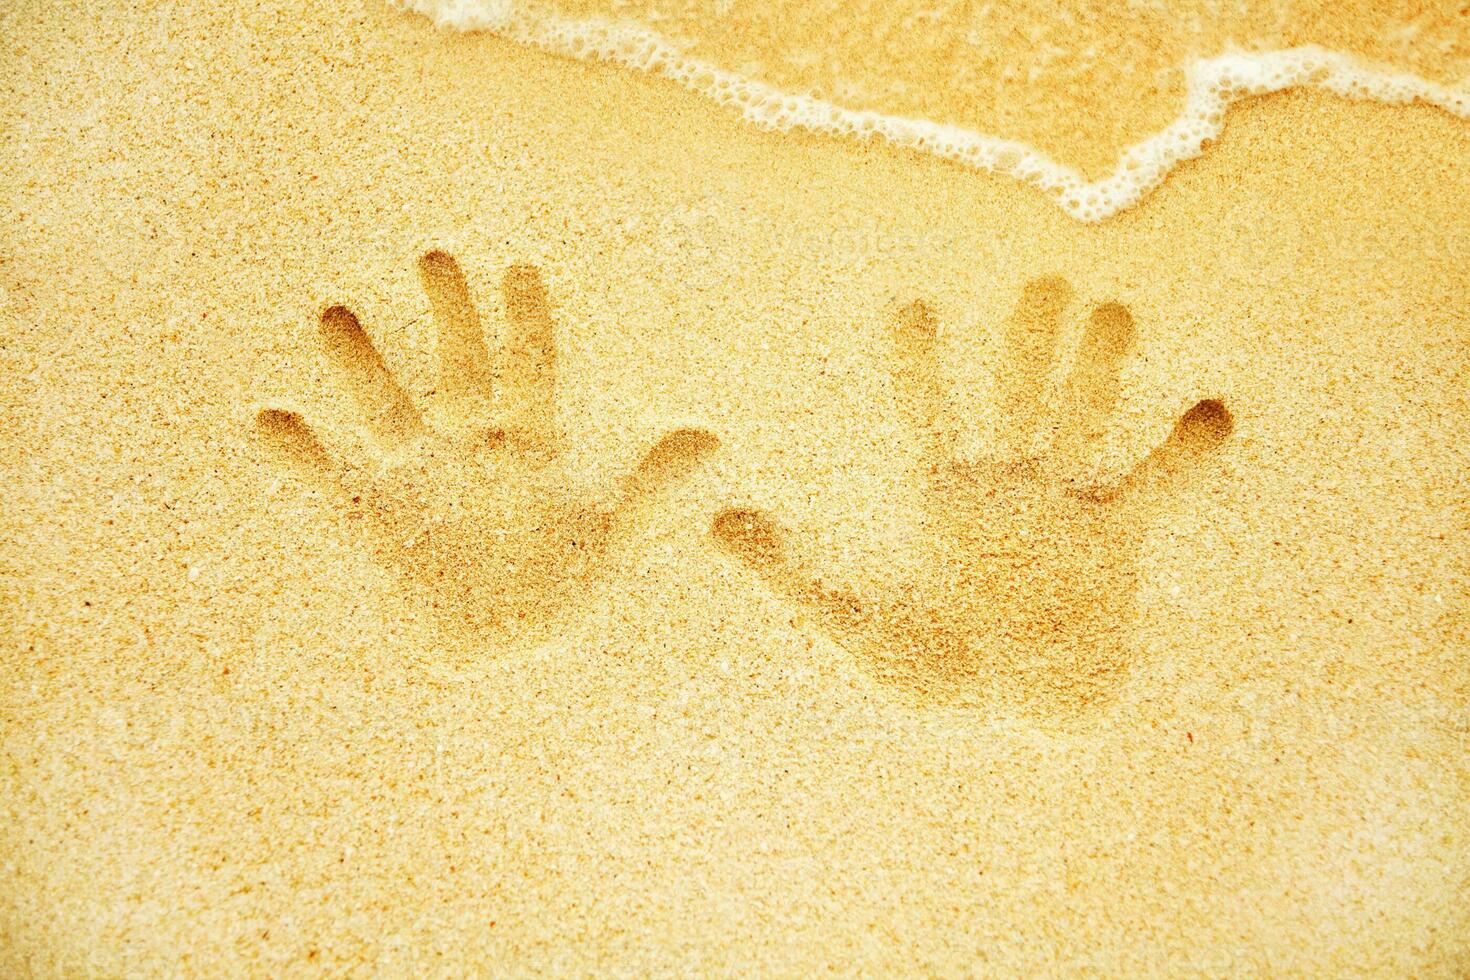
(479, 520)
(1028, 585)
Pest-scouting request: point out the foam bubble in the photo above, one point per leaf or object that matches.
(1212, 85)
(464, 15)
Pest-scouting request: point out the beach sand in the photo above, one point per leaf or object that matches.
(831, 558)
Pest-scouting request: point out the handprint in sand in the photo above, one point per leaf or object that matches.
(477, 514)
(1026, 587)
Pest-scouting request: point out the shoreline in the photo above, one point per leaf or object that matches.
(1213, 86)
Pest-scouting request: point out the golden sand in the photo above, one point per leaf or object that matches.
(471, 510)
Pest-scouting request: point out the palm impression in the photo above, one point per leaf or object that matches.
(1026, 587)
(478, 517)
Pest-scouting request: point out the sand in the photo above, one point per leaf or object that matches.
(472, 510)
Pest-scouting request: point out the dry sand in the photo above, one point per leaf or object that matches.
(855, 563)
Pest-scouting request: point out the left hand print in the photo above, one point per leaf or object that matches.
(480, 519)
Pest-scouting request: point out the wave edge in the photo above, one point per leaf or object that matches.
(1212, 86)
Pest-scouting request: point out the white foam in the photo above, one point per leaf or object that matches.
(1212, 85)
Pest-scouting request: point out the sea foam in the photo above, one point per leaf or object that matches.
(1212, 85)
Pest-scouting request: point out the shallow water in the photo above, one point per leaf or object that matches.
(908, 75)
